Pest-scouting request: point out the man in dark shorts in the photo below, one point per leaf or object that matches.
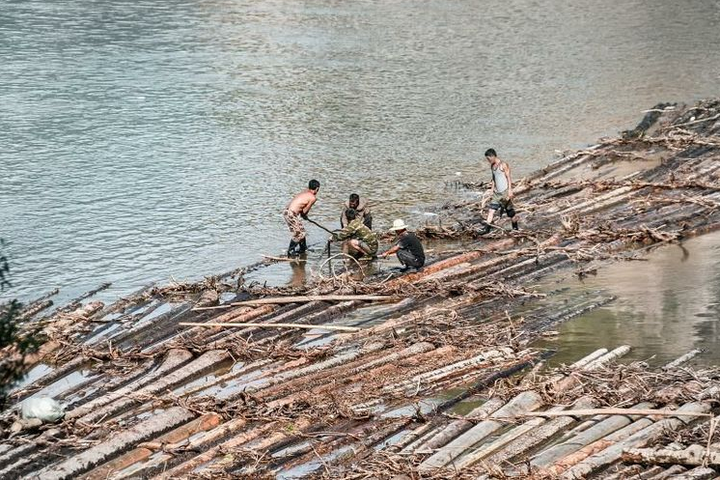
(501, 189)
(407, 246)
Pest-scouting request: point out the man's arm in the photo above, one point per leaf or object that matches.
(390, 251)
(347, 232)
(309, 205)
(509, 179)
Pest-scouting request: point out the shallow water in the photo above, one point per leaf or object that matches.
(147, 140)
(665, 306)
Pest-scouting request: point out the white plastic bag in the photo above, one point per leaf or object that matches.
(43, 408)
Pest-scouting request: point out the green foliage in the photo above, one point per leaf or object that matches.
(15, 342)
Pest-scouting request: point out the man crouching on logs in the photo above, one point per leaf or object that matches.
(501, 189)
(407, 246)
(360, 240)
(300, 206)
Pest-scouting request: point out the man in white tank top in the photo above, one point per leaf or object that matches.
(501, 188)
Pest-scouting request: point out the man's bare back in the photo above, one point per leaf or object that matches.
(302, 202)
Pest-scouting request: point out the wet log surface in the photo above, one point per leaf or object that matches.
(148, 397)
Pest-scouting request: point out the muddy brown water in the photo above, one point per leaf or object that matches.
(666, 305)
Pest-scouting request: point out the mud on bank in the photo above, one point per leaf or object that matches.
(439, 379)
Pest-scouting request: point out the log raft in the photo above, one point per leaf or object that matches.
(428, 373)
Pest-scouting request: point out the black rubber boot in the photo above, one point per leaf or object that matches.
(303, 246)
(292, 249)
(515, 225)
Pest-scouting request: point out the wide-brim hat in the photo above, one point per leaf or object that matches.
(398, 225)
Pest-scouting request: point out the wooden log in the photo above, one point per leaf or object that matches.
(434, 375)
(602, 429)
(698, 473)
(589, 358)
(174, 358)
(537, 436)
(336, 328)
(694, 455)
(201, 364)
(525, 401)
(613, 451)
(608, 357)
(260, 384)
(301, 299)
(196, 462)
(85, 460)
(616, 411)
(145, 450)
(458, 427)
(302, 385)
(671, 472)
(487, 449)
(683, 359)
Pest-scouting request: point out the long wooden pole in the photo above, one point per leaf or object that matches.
(272, 325)
(299, 299)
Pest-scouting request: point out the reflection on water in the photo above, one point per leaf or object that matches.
(143, 140)
(665, 306)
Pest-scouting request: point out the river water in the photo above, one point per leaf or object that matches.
(147, 140)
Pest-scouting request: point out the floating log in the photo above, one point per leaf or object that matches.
(523, 402)
(694, 455)
(617, 411)
(613, 451)
(145, 450)
(87, 459)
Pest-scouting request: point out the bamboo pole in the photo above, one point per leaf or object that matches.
(337, 328)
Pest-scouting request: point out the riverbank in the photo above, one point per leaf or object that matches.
(148, 396)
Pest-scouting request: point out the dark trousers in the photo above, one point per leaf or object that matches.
(409, 260)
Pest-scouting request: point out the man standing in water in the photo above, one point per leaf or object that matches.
(407, 246)
(300, 206)
(501, 189)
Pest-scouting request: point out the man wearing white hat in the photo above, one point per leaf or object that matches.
(407, 246)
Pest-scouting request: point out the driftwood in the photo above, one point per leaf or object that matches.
(694, 455)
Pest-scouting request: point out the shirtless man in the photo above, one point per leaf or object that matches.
(501, 188)
(300, 206)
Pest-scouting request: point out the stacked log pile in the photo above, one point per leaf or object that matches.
(149, 397)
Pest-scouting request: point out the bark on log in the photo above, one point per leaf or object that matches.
(145, 450)
(175, 357)
(586, 437)
(613, 452)
(85, 460)
(207, 361)
(457, 427)
(523, 402)
(694, 455)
